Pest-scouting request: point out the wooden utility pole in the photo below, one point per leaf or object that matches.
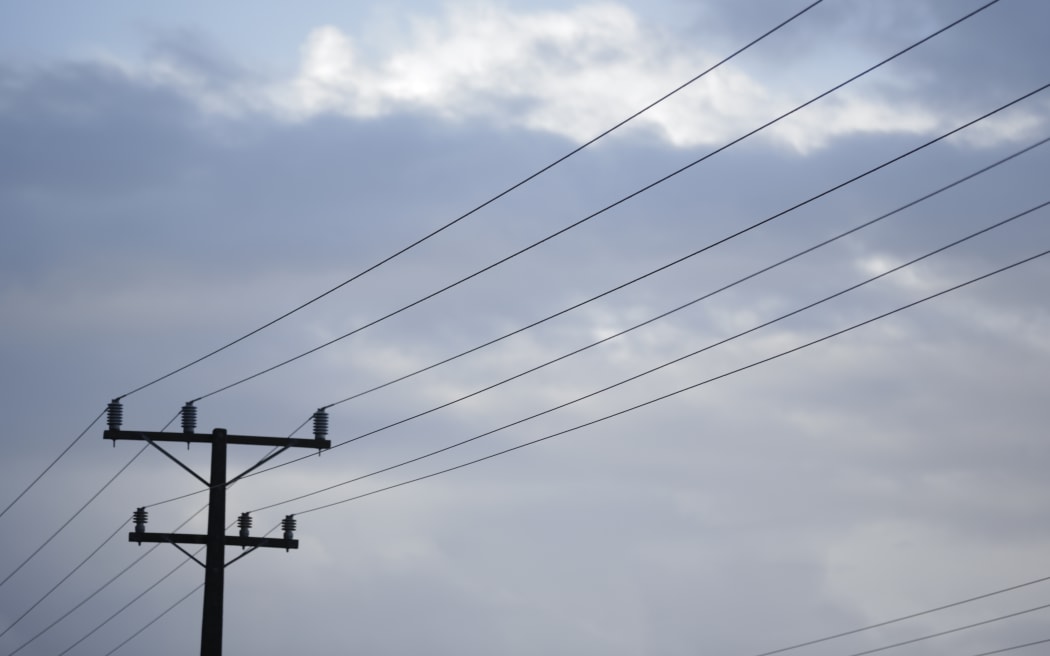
(216, 539)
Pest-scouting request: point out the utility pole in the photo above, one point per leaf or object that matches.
(216, 539)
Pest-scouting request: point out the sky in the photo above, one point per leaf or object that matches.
(732, 475)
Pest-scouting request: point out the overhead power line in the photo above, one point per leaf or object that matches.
(123, 608)
(661, 366)
(669, 395)
(690, 255)
(671, 264)
(82, 508)
(604, 209)
(74, 516)
(99, 589)
(426, 237)
(65, 578)
(902, 618)
(781, 650)
(154, 620)
(53, 463)
(488, 202)
(680, 260)
(957, 629)
(1015, 647)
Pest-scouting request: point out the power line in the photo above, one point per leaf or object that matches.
(692, 254)
(83, 507)
(171, 607)
(1006, 649)
(601, 211)
(673, 263)
(661, 366)
(950, 631)
(143, 593)
(903, 618)
(154, 620)
(486, 203)
(101, 588)
(679, 391)
(679, 261)
(124, 607)
(53, 463)
(64, 578)
(74, 516)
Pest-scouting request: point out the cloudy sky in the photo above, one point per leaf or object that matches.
(175, 176)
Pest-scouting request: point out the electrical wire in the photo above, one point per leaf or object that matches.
(143, 593)
(682, 259)
(74, 516)
(677, 360)
(98, 590)
(950, 631)
(902, 618)
(669, 265)
(124, 607)
(83, 507)
(317, 298)
(64, 578)
(154, 620)
(1006, 649)
(675, 262)
(53, 463)
(617, 203)
(679, 391)
(488, 202)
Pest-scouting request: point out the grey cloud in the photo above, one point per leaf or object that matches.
(729, 519)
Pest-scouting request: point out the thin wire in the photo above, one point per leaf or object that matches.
(82, 508)
(125, 606)
(599, 212)
(668, 313)
(100, 589)
(65, 578)
(154, 620)
(171, 607)
(677, 360)
(902, 618)
(1006, 649)
(679, 391)
(53, 463)
(666, 266)
(950, 631)
(484, 204)
(74, 516)
(675, 262)
(678, 261)
(144, 592)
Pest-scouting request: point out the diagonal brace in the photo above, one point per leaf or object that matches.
(176, 544)
(176, 460)
(262, 462)
(241, 556)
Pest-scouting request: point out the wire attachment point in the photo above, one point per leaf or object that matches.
(139, 517)
(189, 418)
(320, 424)
(288, 526)
(114, 414)
(244, 522)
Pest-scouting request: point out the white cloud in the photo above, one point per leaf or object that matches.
(571, 72)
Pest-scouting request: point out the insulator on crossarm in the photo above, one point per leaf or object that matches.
(288, 526)
(114, 414)
(320, 424)
(139, 517)
(189, 418)
(244, 522)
